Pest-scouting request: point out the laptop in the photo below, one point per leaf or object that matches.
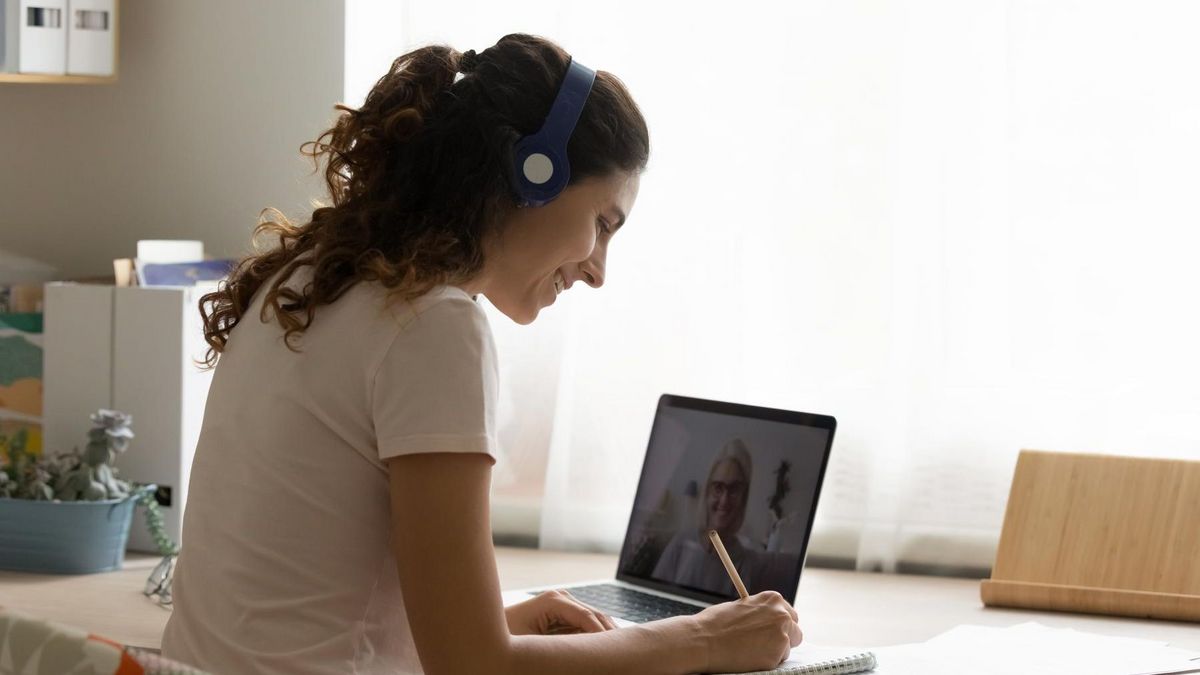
(753, 474)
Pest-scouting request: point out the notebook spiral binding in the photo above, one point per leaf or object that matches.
(845, 665)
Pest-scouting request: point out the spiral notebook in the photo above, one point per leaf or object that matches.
(804, 662)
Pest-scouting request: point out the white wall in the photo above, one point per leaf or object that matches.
(16, 269)
(199, 134)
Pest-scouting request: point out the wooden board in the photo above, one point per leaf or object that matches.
(35, 78)
(1100, 534)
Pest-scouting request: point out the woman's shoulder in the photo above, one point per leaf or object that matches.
(446, 318)
(441, 304)
(445, 307)
(448, 299)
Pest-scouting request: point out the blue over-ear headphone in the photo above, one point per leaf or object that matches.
(540, 167)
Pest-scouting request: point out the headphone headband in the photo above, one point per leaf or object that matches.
(540, 167)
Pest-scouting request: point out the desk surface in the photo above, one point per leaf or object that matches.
(837, 608)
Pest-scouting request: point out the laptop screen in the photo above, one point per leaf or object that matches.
(753, 474)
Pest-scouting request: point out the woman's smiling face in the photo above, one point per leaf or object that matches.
(726, 493)
(541, 252)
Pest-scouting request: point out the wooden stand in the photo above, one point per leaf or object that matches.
(1100, 534)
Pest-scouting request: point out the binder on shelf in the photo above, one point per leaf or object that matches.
(34, 36)
(10, 28)
(91, 27)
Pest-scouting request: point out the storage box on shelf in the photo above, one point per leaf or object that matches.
(58, 41)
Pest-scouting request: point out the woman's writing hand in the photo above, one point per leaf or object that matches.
(752, 634)
(555, 612)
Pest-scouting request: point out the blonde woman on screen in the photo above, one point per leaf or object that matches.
(689, 559)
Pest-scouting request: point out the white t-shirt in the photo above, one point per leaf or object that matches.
(287, 564)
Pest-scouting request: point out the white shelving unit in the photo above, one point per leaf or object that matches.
(133, 350)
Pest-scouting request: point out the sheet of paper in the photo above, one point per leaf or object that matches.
(1033, 649)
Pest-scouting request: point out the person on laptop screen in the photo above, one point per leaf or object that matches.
(337, 515)
(689, 558)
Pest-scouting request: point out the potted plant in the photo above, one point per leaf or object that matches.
(70, 514)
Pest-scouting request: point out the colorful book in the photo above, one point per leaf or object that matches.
(183, 273)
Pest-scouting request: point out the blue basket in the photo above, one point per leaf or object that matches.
(65, 537)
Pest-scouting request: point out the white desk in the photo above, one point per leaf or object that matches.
(837, 608)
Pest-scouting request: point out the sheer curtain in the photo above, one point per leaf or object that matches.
(963, 229)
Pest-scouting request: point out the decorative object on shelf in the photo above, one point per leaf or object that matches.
(70, 513)
(93, 477)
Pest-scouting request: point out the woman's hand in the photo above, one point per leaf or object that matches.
(752, 634)
(553, 613)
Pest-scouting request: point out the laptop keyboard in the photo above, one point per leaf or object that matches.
(630, 604)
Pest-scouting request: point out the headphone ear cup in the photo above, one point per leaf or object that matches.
(539, 172)
(537, 168)
(540, 168)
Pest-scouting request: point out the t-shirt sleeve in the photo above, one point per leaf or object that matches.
(436, 388)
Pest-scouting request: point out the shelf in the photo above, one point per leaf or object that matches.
(37, 78)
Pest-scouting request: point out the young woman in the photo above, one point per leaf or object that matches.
(337, 517)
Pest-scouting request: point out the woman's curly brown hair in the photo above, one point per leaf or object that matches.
(418, 178)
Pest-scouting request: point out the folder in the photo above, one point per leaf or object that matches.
(35, 36)
(10, 28)
(91, 27)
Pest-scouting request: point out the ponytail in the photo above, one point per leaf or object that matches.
(394, 111)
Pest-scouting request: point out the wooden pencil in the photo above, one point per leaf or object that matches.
(729, 568)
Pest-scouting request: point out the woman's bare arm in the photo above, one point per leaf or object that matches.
(443, 545)
(442, 540)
